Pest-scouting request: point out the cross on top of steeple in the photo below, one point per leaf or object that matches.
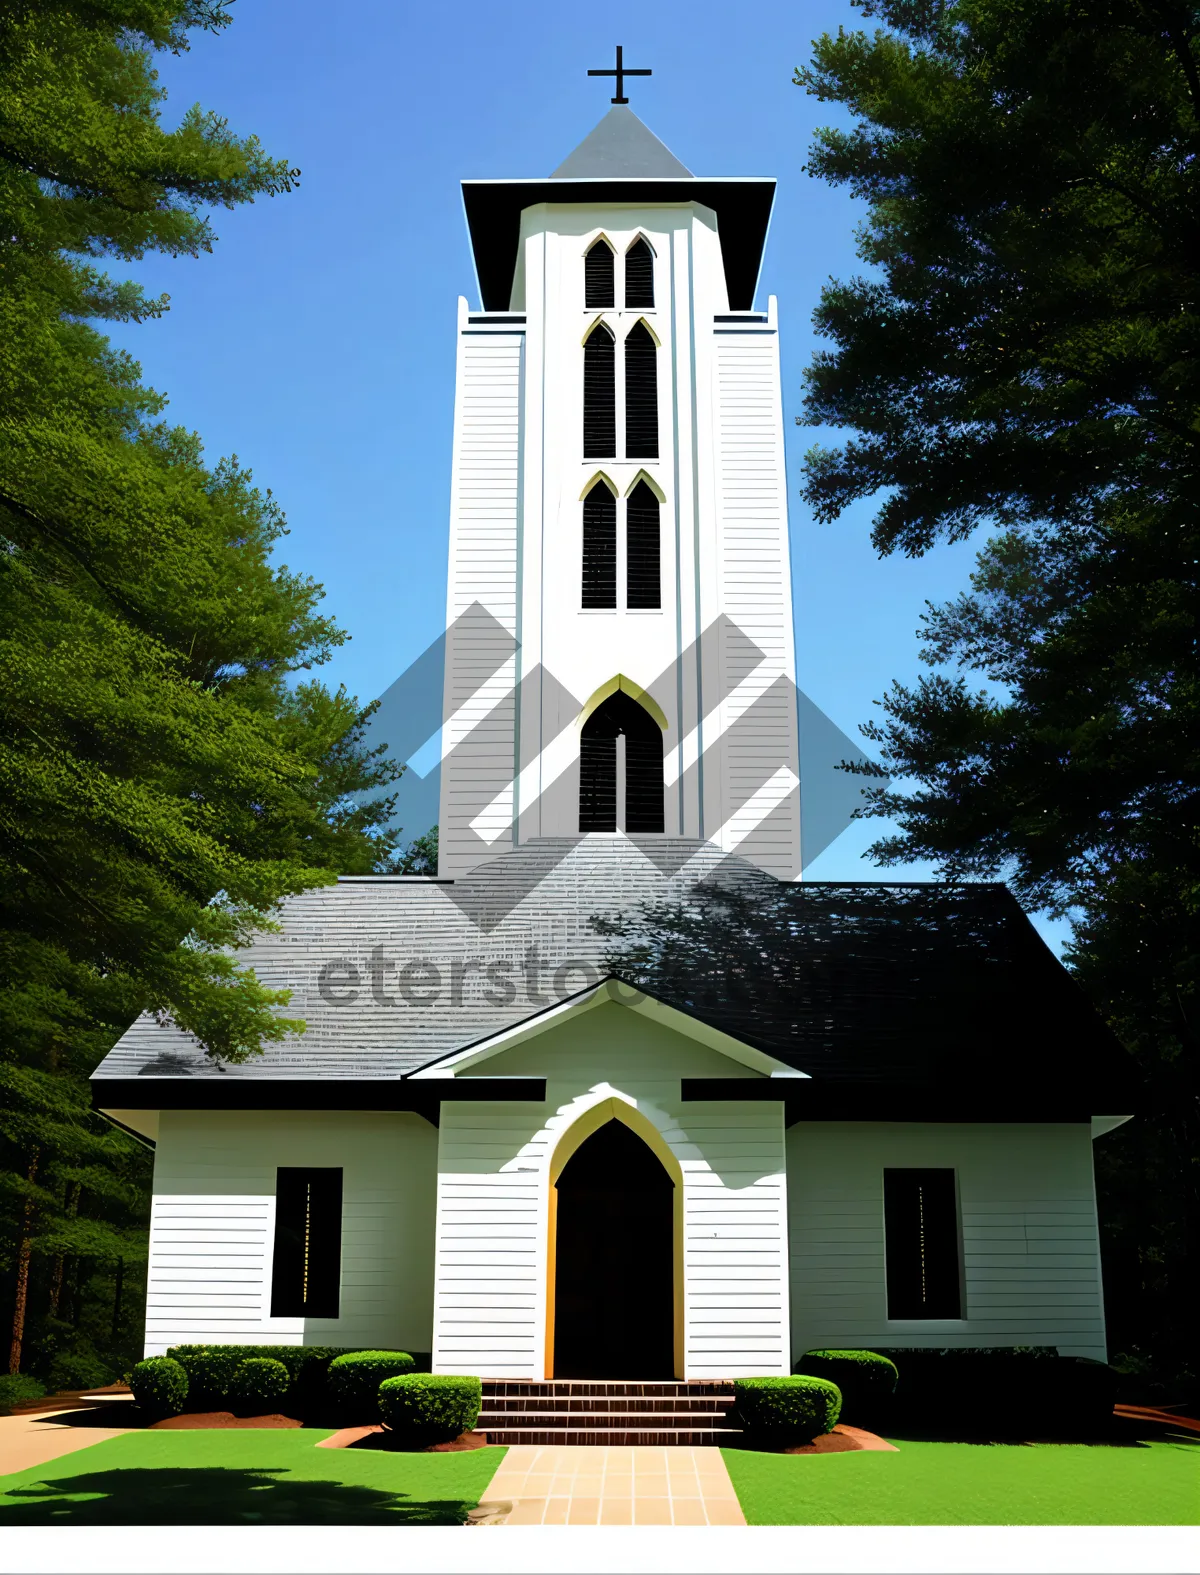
(621, 71)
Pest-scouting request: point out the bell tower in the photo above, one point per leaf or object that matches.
(620, 655)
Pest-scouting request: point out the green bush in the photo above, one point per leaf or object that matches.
(866, 1379)
(782, 1412)
(307, 1367)
(354, 1381)
(74, 1371)
(18, 1387)
(159, 1386)
(259, 1385)
(210, 1377)
(984, 1392)
(429, 1408)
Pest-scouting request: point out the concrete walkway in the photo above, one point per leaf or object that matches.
(590, 1485)
(33, 1438)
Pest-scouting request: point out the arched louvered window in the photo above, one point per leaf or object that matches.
(600, 394)
(641, 548)
(599, 291)
(641, 394)
(599, 548)
(639, 275)
(621, 769)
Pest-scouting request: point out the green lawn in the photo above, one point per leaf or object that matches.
(245, 1477)
(924, 1484)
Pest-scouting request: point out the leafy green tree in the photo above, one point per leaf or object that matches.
(167, 772)
(1022, 356)
(420, 857)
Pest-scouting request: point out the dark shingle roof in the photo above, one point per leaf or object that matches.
(887, 985)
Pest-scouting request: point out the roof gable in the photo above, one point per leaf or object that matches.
(609, 992)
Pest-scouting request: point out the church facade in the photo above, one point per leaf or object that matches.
(618, 1095)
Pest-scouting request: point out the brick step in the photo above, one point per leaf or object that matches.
(714, 1405)
(535, 1416)
(683, 1388)
(693, 1437)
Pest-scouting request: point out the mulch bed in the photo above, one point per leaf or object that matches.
(196, 1420)
(826, 1444)
(378, 1437)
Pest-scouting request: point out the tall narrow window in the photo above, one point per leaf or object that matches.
(307, 1272)
(642, 550)
(600, 394)
(921, 1226)
(599, 548)
(639, 275)
(621, 769)
(599, 290)
(641, 394)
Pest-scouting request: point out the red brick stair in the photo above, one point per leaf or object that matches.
(607, 1411)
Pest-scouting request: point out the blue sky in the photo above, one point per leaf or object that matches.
(317, 341)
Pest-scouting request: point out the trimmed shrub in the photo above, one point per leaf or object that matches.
(17, 1387)
(1002, 1392)
(72, 1371)
(259, 1385)
(307, 1367)
(159, 1386)
(429, 1408)
(866, 1379)
(782, 1412)
(210, 1377)
(354, 1381)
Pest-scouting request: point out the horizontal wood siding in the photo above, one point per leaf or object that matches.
(212, 1227)
(755, 575)
(479, 706)
(1031, 1259)
(493, 1201)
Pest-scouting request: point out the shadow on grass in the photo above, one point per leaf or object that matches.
(218, 1495)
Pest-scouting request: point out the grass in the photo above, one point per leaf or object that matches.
(926, 1484)
(245, 1477)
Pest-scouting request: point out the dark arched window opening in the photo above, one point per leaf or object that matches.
(600, 394)
(599, 291)
(599, 548)
(621, 769)
(641, 394)
(642, 549)
(639, 276)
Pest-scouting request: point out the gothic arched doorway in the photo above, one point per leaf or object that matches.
(614, 1311)
(621, 768)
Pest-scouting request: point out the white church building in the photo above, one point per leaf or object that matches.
(617, 1095)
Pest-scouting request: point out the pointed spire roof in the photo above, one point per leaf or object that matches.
(621, 147)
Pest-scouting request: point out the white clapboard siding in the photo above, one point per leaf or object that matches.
(760, 734)
(1031, 1258)
(212, 1227)
(479, 704)
(493, 1201)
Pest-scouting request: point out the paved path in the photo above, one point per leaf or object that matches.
(609, 1485)
(32, 1438)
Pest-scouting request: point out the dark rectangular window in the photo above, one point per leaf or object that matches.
(920, 1210)
(307, 1273)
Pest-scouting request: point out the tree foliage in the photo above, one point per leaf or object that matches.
(1022, 356)
(168, 771)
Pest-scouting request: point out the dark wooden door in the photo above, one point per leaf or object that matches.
(614, 1281)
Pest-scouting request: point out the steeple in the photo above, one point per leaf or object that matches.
(621, 655)
(621, 147)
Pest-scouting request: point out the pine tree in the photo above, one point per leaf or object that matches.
(167, 772)
(1023, 356)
